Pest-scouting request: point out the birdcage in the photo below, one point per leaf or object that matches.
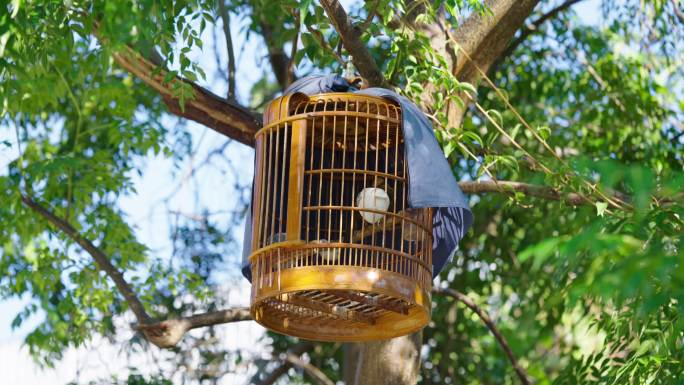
(337, 254)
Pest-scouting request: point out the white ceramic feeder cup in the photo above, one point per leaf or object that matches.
(372, 198)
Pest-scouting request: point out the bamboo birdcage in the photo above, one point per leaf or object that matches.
(325, 264)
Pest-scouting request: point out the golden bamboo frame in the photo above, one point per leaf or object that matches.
(320, 270)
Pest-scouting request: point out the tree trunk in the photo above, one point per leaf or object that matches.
(390, 362)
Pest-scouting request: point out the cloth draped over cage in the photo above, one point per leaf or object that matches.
(431, 180)
(354, 211)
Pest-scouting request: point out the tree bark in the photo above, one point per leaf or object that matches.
(483, 38)
(390, 362)
(280, 62)
(202, 106)
(351, 39)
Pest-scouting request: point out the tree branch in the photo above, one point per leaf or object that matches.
(232, 315)
(534, 28)
(311, 370)
(351, 39)
(550, 193)
(280, 63)
(484, 37)
(294, 48)
(100, 258)
(678, 12)
(544, 192)
(219, 317)
(225, 18)
(167, 334)
(296, 350)
(372, 12)
(202, 106)
(321, 41)
(164, 334)
(522, 374)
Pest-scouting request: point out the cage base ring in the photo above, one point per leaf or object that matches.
(341, 303)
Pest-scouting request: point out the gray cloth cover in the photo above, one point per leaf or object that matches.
(431, 181)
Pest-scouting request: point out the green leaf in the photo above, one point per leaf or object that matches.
(16, 5)
(544, 132)
(541, 251)
(601, 208)
(449, 148)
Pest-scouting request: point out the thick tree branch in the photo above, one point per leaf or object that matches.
(167, 334)
(225, 18)
(100, 258)
(522, 374)
(351, 39)
(484, 37)
(201, 106)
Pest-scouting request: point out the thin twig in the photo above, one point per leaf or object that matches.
(604, 85)
(511, 139)
(285, 365)
(678, 12)
(615, 203)
(311, 370)
(324, 44)
(225, 18)
(522, 374)
(372, 11)
(295, 45)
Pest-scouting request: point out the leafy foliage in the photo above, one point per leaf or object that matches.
(588, 294)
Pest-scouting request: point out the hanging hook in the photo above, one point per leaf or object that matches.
(351, 76)
(349, 70)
